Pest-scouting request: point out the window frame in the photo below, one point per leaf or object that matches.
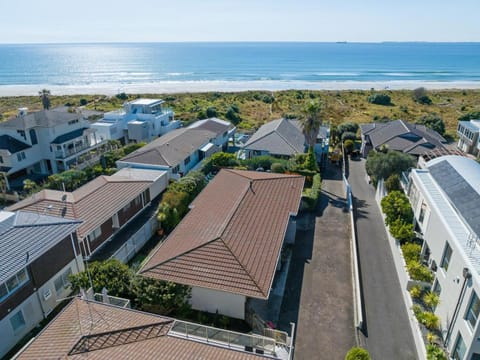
(20, 281)
(469, 313)
(23, 323)
(445, 263)
(457, 350)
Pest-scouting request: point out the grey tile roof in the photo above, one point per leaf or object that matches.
(171, 148)
(43, 118)
(462, 192)
(69, 136)
(399, 135)
(25, 236)
(11, 144)
(278, 137)
(218, 126)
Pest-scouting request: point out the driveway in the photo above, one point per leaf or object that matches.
(319, 297)
(387, 333)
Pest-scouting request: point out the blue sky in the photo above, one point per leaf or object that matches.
(238, 20)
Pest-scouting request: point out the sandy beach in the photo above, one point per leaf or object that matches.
(166, 87)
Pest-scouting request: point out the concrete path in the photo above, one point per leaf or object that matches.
(387, 333)
(319, 297)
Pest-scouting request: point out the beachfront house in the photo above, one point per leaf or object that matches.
(105, 205)
(445, 197)
(228, 247)
(183, 149)
(35, 145)
(399, 135)
(139, 120)
(469, 137)
(37, 253)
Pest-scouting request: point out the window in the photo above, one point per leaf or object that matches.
(437, 289)
(13, 283)
(175, 169)
(22, 134)
(17, 321)
(21, 156)
(33, 137)
(460, 349)
(423, 210)
(62, 282)
(447, 254)
(473, 310)
(1, 159)
(95, 234)
(187, 160)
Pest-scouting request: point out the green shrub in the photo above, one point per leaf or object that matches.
(357, 353)
(349, 136)
(348, 145)
(83, 102)
(278, 168)
(211, 112)
(122, 96)
(418, 312)
(311, 195)
(431, 300)
(434, 352)
(430, 320)
(380, 99)
(397, 206)
(415, 292)
(419, 272)
(401, 231)
(411, 252)
(393, 183)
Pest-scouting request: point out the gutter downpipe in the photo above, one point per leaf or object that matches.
(466, 276)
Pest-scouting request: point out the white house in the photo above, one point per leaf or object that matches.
(181, 150)
(42, 143)
(37, 253)
(139, 120)
(468, 136)
(228, 247)
(445, 197)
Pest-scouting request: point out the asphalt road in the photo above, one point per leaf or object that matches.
(387, 333)
(319, 297)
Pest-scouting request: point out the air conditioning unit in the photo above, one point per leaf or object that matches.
(46, 294)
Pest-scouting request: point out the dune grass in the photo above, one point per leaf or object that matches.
(258, 107)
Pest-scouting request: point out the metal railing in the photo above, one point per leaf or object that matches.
(112, 300)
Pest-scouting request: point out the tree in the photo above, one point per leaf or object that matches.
(122, 96)
(211, 112)
(232, 114)
(29, 186)
(434, 122)
(348, 145)
(420, 96)
(346, 127)
(380, 99)
(348, 135)
(311, 121)
(110, 274)
(401, 230)
(223, 159)
(45, 97)
(396, 206)
(381, 165)
(393, 183)
(357, 353)
(158, 296)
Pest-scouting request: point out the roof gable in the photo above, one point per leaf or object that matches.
(11, 144)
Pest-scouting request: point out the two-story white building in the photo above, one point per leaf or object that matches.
(139, 120)
(445, 197)
(43, 143)
(469, 136)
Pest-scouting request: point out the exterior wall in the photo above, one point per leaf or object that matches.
(23, 293)
(436, 234)
(158, 187)
(130, 211)
(32, 314)
(107, 231)
(209, 300)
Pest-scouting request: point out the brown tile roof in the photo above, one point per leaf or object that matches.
(232, 237)
(93, 203)
(80, 320)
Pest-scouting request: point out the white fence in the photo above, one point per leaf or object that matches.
(137, 241)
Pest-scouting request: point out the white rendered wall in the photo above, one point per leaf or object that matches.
(228, 304)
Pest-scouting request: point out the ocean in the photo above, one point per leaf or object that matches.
(169, 67)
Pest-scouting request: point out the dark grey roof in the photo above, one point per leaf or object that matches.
(23, 233)
(216, 125)
(68, 136)
(11, 144)
(399, 135)
(459, 179)
(278, 137)
(43, 118)
(171, 148)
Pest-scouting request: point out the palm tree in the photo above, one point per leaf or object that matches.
(44, 95)
(311, 122)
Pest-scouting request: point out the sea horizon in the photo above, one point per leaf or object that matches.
(170, 67)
